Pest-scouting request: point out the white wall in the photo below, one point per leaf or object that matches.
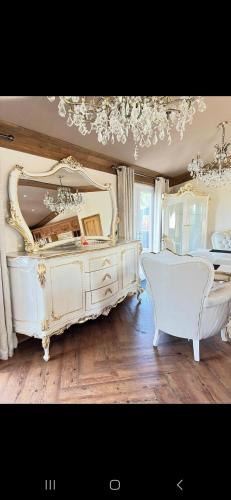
(8, 160)
(219, 211)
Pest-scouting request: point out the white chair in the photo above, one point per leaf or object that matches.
(187, 303)
(221, 240)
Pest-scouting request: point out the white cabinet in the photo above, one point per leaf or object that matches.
(66, 288)
(185, 220)
(52, 290)
(129, 267)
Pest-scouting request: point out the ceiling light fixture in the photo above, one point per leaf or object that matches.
(147, 118)
(65, 200)
(218, 171)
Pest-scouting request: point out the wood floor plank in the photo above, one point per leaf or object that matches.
(112, 360)
(115, 392)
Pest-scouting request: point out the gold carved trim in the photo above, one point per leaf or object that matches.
(56, 317)
(185, 189)
(15, 221)
(46, 341)
(44, 325)
(41, 271)
(189, 188)
(105, 311)
(72, 162)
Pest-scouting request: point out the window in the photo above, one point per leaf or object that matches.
(144, 201)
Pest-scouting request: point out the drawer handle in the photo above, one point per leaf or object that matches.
(109, 290)
(106, 261)
(107, 276)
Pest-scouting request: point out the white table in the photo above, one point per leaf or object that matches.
(216, 258)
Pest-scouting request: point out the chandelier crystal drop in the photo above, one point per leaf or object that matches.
(65, 200)
(147, 118)
(217, 172)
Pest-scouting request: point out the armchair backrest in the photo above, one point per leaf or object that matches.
(221, 240)
(178, 286)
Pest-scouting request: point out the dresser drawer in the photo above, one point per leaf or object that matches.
(97, 263)
(97, 296)
(103, 277)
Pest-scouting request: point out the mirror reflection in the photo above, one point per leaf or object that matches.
(64, 205)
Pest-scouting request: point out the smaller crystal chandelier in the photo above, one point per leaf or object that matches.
(65, 200)
(218, 171)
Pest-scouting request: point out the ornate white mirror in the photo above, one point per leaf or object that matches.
(61, 206)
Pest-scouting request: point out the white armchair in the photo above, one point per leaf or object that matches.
(221, 240)
(187, 303)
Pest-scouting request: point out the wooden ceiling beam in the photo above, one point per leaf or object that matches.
(45, 220)
(39, 144)
(144, 179)
(179, 179)
(49, 186)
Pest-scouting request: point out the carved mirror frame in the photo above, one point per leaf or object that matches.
(17, 221)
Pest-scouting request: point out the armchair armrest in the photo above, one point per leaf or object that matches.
(222, 276)
(219, 294)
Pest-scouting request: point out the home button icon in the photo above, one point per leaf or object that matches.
(115, 484)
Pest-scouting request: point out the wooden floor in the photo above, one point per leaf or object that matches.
(111, 360)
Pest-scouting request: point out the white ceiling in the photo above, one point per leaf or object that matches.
(31, 204)
(69, 178)
(37, 113)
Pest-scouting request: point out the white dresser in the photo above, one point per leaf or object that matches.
(54, 289)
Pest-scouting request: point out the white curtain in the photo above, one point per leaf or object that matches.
(161, 186)
(8, 339)
(125, 177)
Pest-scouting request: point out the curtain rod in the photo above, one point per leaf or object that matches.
(7, 137)
(117, 167)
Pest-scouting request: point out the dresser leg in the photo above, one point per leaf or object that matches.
(46, 345)
(224, 335)
(140, 290)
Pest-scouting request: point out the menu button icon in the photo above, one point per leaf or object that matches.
(115, 484)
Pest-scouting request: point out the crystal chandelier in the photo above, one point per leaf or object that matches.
(65, 200)
(148, 118)
(218, 171)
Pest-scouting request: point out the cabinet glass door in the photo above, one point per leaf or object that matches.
(197, 219)
(174, 229)
(185, 222)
